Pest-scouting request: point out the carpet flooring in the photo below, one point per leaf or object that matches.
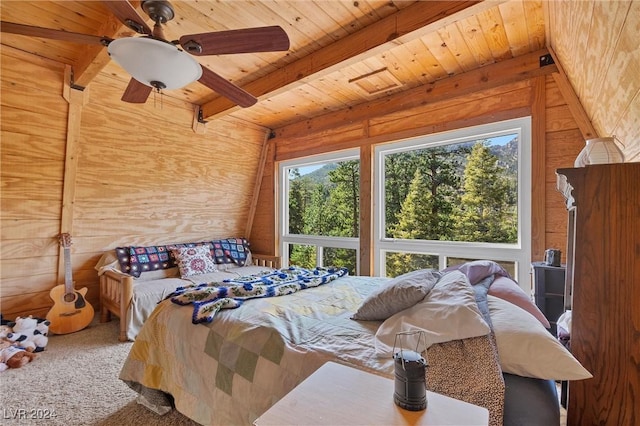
(75, 382)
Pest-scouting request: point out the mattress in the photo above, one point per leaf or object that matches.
(233, 369)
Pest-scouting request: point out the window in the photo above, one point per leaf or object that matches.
(320, 211)
(440, 200)
(448, 198)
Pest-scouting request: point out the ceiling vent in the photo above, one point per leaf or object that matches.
(376, 81)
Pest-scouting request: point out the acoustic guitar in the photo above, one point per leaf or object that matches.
(71, 312)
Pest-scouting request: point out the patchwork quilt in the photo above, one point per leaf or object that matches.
(231, 370)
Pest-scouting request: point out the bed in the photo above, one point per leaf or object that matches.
(232, 369)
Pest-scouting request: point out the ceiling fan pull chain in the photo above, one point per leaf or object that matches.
(157, 90)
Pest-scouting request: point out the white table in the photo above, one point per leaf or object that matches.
(339, 395)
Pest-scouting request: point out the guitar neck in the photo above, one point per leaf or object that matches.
(68, 280)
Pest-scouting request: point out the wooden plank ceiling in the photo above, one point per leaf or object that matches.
(343, 53)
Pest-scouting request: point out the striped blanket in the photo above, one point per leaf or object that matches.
(208, 298)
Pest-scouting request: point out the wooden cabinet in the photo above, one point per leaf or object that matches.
(603, 270)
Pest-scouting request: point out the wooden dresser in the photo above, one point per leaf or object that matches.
(603, 270)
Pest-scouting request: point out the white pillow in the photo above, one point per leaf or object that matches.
(449, 312)
(400, 293)
(527, 349)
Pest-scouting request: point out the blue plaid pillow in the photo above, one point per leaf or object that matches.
(230, 250)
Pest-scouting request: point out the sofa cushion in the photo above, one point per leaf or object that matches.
(151, 258)
(194, 260)
(124, 259)
(230, 250)
(134, 260)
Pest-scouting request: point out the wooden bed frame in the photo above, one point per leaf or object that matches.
(116, 291)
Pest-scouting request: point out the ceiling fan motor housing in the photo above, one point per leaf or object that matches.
(160, 11)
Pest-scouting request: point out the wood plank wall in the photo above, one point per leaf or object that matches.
(143, 177)
(597, 44)
(559, 143)
(33, 137)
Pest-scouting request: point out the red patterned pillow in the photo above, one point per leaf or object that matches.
(194, 260)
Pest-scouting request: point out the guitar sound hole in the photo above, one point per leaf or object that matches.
(69, 297)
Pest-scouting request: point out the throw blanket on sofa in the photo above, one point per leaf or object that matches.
(208, 298)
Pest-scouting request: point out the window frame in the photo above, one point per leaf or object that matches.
(520, 252)
(320, 242)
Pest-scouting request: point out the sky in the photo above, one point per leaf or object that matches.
(308, 169)
(499, 140)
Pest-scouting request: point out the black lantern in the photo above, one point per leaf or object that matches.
(410, 381)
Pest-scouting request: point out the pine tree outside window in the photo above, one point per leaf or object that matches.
(320, 212)
(453, 197)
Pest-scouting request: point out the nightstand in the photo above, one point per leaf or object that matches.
(339, 395)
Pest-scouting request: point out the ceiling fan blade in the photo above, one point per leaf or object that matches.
(128, 15)
(136, 92)
(249, 40)
(227, 89)
(28, 30)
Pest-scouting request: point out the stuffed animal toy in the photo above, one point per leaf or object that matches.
(14, 357)
(43, 326)
(4, 330)
(28, 333)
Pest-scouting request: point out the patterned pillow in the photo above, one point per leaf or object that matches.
(151, 258)
(194, 260)
(124, 259)
(230, 250)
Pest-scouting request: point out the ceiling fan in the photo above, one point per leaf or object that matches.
(156, 63)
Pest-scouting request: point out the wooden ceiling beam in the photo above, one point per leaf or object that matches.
(510, 71)
(407, 24)
(572, 100)
(95, 58)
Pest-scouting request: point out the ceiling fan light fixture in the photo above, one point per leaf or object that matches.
(154, 61)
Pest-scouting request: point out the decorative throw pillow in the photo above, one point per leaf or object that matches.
(527, 349)
(150, 258)
(401, 293)
(124, 259)
(507, 289)
(194, 260)
(230, 250)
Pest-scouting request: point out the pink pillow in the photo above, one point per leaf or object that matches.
(507, 289)
(478, 270)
